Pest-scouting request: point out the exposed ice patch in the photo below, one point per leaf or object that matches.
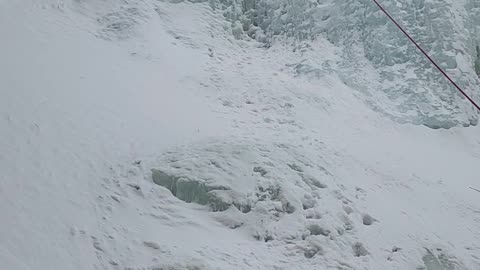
(439, 260)
(219, 198)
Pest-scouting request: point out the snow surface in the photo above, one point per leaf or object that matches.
(294, 168)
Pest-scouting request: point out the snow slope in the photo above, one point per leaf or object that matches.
(289, 170)
(374, 57)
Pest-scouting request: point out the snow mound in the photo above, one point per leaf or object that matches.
(223, 174)
(272, 191)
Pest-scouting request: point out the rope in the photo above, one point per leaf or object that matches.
(427, 56)
(478, 190)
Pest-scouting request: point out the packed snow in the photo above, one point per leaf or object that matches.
(224, 135)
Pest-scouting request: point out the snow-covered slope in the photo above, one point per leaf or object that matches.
(156, 135)
(374, 57)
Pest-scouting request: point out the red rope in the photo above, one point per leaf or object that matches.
(426, 55)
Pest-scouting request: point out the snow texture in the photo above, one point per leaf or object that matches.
(227, 135)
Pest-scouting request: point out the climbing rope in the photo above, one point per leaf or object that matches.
(427, 56)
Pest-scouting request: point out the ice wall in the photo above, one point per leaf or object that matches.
(376, 59)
